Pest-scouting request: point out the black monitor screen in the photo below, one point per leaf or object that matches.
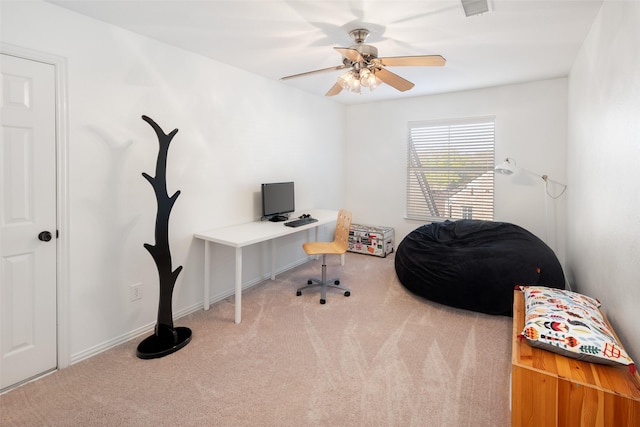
(277, 198)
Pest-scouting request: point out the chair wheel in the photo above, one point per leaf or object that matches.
(309, 282)
(337, 282)
(323, 301)
(298, 293)
(347, 293)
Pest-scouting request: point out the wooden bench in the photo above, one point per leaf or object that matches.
(549, 390)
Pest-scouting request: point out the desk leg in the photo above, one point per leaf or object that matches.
(206, 275)
(273, 259)
(238, 304)
(316, 228)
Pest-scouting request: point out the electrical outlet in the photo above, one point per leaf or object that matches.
(136, 291)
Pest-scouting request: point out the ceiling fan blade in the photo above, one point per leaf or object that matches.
(339, 67)
(413, 61)
(394, 80)
(335, 89)
(351, 54)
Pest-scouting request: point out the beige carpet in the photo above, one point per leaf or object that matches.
(381, 357)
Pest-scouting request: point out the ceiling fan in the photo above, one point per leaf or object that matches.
(367, 70)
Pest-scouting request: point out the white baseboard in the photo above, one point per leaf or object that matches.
(149, 328)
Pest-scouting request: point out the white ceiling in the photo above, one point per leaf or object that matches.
(516, 41)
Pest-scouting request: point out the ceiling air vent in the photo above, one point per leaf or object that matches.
(474, 7)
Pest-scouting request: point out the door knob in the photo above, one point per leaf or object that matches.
(45, 236)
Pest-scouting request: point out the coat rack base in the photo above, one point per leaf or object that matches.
(164, 342)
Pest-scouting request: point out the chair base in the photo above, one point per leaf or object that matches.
(324, 283)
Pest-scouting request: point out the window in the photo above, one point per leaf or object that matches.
(467, 212)
(450, 169)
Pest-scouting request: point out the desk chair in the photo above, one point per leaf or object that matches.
(337, 247)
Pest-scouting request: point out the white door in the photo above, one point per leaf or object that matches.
(28, 345)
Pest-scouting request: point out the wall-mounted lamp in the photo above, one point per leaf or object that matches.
(509, 167)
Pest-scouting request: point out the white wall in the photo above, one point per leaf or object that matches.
(236, 130)
(530, 127)
(603, 154)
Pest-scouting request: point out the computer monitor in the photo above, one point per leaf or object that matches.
(277, 200)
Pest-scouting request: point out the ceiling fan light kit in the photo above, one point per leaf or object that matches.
(367, 70)
(353, 80)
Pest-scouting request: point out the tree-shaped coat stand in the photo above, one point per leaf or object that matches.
(166, 339)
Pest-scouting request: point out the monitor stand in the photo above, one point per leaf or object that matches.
(278, 218)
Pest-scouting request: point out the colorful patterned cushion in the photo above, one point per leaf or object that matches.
(570, 324)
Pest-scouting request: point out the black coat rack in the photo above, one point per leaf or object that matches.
(166, 339)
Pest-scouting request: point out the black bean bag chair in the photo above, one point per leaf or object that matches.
(474, 264)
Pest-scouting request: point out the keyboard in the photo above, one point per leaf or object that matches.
(299, 222)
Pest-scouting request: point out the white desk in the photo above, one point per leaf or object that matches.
(239, 236)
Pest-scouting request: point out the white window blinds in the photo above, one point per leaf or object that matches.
(450, 169)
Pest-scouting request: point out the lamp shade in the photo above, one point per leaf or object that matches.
(507, 167)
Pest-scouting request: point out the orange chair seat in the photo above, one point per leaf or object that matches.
(319, 248)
